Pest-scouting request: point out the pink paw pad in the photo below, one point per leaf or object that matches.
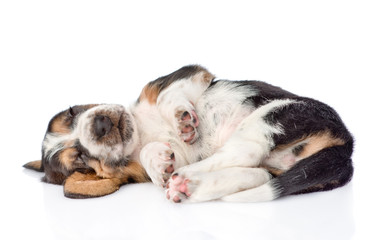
(192, 116)
(168, 169)
(188, 123)
(177, 188)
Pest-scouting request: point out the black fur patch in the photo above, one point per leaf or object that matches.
(266, 93)
(328, 169)
(325, 170)
(306, 117)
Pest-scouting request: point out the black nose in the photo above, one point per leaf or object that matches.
(102, 125)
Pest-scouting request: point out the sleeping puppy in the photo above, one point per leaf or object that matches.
(88, 148)
(201, 140)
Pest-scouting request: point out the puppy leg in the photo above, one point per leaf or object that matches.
(175, 103)
(198, 187)
(158, 160)
(248, 145)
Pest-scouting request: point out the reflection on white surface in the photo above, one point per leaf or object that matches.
(141, 211)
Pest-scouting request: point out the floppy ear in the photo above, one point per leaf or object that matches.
(89, 185)
(34, 165)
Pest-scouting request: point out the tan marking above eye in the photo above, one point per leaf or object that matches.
(61, 125)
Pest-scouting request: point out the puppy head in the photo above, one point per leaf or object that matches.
(88, 138)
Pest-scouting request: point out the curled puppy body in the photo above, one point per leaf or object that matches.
(248, 140)
(203, 140)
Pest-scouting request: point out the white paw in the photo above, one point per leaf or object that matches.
(181, 114)
(182, 185)
(178, 188)
(158, 160)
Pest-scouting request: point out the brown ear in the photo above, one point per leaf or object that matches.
(89, 185)
(34, 165)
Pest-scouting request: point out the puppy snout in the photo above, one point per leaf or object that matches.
(102, 125)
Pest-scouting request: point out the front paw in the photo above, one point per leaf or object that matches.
(180, 187)
(187, 125)
(158, 159)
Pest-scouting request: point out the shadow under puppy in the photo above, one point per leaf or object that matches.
(201, 139)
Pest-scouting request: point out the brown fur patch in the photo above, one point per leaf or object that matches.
(132, 170)
(79, 185)
(135, 171)
(316, 143)
(60, 125)
(67, 157)
(312, 144)
(104, 171)
(283, 157)
(34, 165)
(150, 93)
(274, 171)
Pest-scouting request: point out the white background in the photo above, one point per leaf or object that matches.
(54, 54)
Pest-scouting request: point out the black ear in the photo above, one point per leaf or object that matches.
(34, 165)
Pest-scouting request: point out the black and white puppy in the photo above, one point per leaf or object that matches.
(201, 140)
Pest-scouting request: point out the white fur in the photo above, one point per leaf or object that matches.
(233, 142)
(234, 139)
(207, 186)
(156, 157)
(262, 193)
(179, 97)
(101, 151)
(56, 142)
(246, 148)
(152, 127)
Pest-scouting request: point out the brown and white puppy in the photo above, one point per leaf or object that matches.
(201, 140)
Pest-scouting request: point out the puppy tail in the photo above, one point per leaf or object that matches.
(35, 165)
(328, 169)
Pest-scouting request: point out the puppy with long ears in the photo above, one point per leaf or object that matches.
(201, 140)
(88, 149)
